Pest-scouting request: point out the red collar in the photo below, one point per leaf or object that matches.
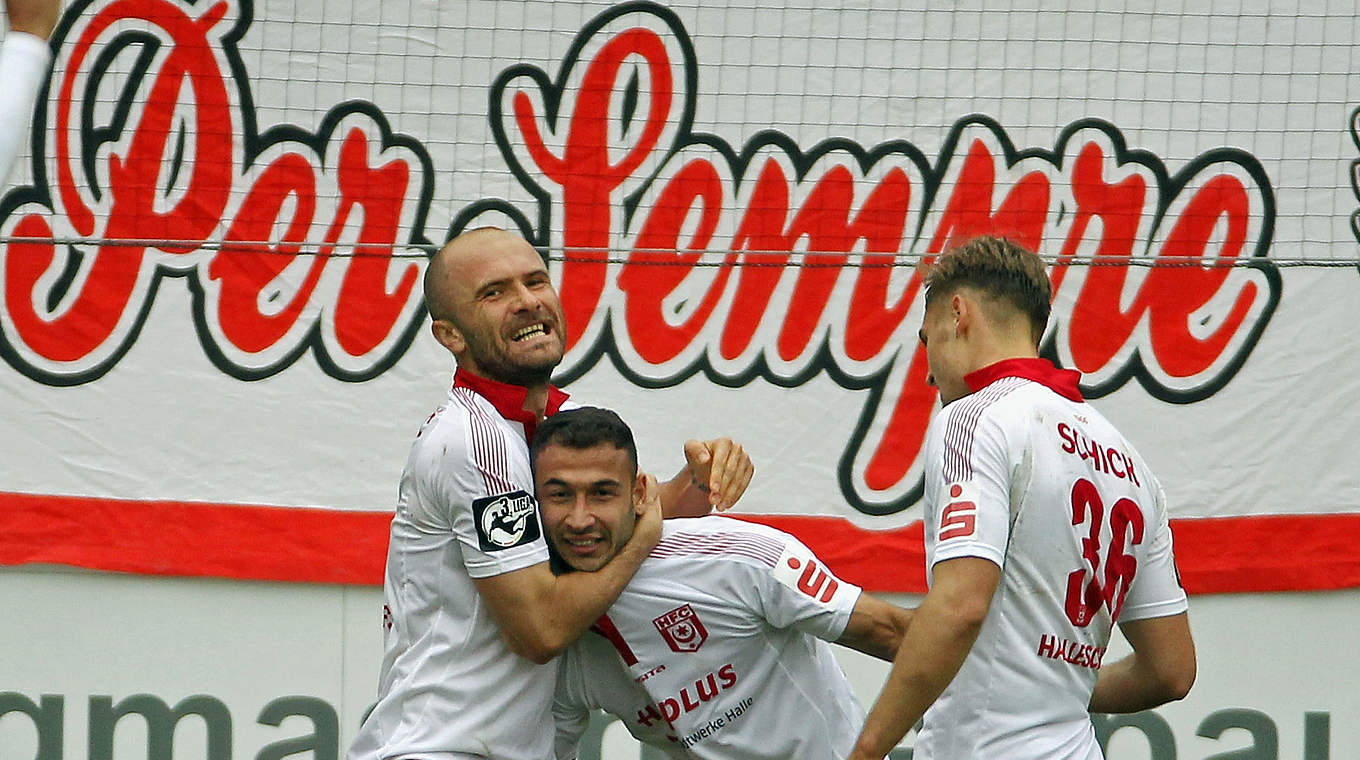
(1061, 381)
(509, 399)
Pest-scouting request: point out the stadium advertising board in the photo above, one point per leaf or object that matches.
(128, 667)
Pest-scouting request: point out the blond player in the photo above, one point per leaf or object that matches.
(1044, 528)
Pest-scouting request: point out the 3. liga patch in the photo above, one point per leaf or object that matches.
(506, 520)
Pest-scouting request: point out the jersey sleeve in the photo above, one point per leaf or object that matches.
(801, 592)
(1156, 590)
(474, 489)
(571, 714)
(971, 515)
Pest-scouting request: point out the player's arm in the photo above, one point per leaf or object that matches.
(24, 63)
(540, 613)
(570, 715)
(35, 17)
(1162, 666)
(715, 475)
(570, 728)
(1160, 670)
(942, 633)
(876, 628)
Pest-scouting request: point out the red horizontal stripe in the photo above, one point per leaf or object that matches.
(1215, 555)
(1218, 555)
(186, 538)
(1268, 553)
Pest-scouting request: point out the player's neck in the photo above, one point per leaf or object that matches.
(998, 347)
(536, 400)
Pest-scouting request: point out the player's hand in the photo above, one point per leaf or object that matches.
(647, 531)
(720, 467)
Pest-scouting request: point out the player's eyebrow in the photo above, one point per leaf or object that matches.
(614, 482)
(489, 284)
(533, 274)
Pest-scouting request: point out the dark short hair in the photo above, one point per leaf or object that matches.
(583, 428)
(1000, 269)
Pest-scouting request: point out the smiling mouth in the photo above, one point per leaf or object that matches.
(582, 545)
(535, 330)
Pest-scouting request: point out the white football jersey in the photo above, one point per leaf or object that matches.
(1024, 473)
(449, 683)
(716, 650)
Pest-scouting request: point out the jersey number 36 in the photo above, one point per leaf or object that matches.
(1089, 587)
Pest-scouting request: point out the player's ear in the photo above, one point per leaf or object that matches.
(962, 310)
(448, 335)
(639, 492)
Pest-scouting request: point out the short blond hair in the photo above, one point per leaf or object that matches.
(1000, 269)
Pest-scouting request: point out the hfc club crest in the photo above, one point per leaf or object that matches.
(682, 629)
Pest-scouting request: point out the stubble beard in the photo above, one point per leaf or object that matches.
(527, 374)
(496, 364)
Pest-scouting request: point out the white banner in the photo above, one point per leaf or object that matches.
(211, 270)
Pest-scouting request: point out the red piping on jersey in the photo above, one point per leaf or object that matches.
(760, 548)
(509, 399)
(958, 434)
(606, 628)
(488, 443)
(1061, 381)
